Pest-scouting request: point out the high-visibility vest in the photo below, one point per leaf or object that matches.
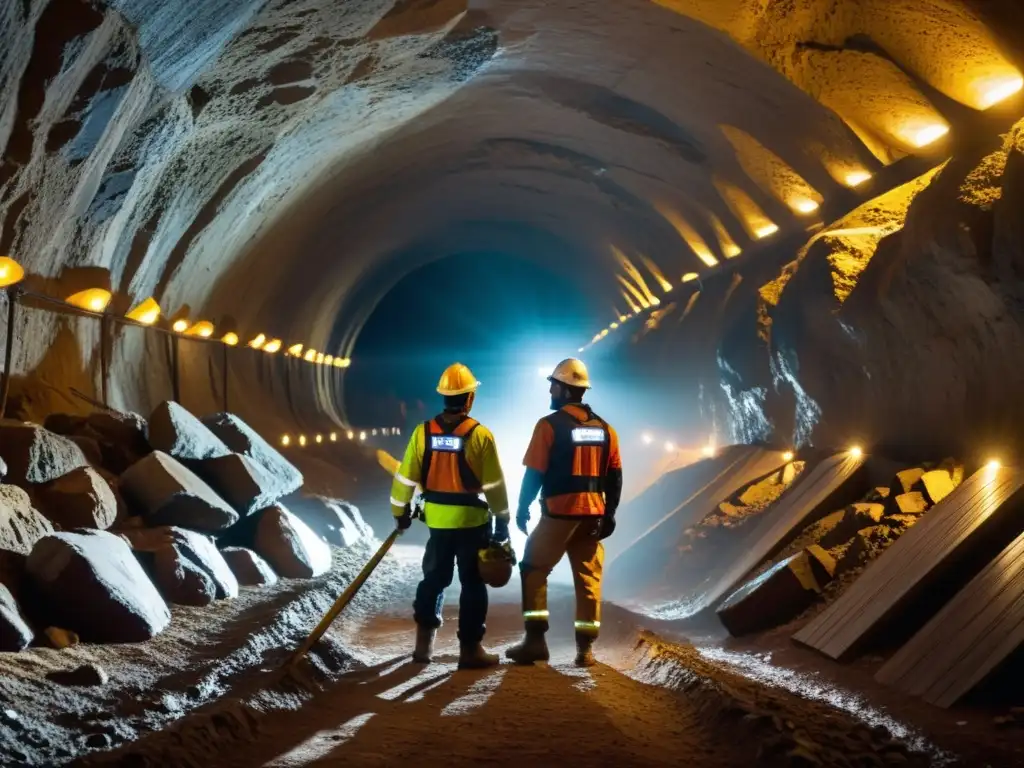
(446, 477)
(578, 461)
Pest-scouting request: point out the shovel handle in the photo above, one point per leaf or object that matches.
(344, 598)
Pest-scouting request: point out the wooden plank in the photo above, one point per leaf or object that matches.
(958, 526)
(657, 545)
(832, 484)
(968, 639)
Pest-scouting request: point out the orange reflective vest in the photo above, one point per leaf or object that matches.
(578, 462)
(446, 477)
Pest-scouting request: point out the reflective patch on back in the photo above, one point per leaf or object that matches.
(447, 443)
(588, 435)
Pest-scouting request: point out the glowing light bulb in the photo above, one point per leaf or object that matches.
(373, 432)
(146, 313)
(622, 318)
(272, 346)
(11, 271)
(258, 341)
(230, 338)
(993, 465)
(580, 350)
(613, 326)
(856, 451)
(329, 360)
(669, 446)
(856, 178)
(295, 350)
(319, 358)
(994, 91)
(350, 434)
(302, 440)
(766, 231)
(604, 333)
(319, 438)
(203, 329)
(646, 437)
(285, 440)
(362, 435)
(334, 437)
(787, 456)
(708, 450)
(805, 206)
(689, 276)
(310, 355)
(180, 326)
(93, 299)
(928, 135)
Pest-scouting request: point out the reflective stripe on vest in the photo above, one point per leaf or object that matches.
(578, 462)
(447, 477)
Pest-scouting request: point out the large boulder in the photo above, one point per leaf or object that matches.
(167, 493)
(80, 499)
(91, 583)
(35, 455)
(250, 569)
(333, 520)
(241, 482)
(175, 431)
(241, 438)
(15, 633)
(288, 544)
(935, 485)
(123, 428)
(187, 566)
(21, 526)
(905, 481)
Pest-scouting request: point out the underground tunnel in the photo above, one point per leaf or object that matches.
(241, 243)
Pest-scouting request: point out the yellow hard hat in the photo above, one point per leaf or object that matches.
(495, 564)
(572, 372)
(457, 379)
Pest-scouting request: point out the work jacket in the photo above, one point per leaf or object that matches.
(574, 449)
(453, 459)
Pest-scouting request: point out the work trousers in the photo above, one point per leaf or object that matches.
(549, 541)
(445, 547)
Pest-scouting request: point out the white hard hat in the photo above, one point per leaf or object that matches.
(572, 372)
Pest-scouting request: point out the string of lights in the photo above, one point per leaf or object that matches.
(360, 435)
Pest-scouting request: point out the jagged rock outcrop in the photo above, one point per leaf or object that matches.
(35, 455)
(79, 499)
(167, 493)
(176, 432)
(242, 439)
(289, 546)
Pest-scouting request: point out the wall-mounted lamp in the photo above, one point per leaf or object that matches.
(230, 338)
(310, 355)
(295, 350)
(11, 272)
(258, 342)
(202, 329)
(272, 346)
(319, 358)
(146, 313)
(92, 299)
(328, 359)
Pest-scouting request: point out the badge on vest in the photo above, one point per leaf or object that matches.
(449, 443)
(588, 435)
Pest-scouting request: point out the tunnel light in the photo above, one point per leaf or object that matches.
(805, 206)
(342, 362)
(146, 313)
(398, 431)
(362, 435)
(258, 342)
(328, 359)
(709, 450)
(993, 465)
(646, 437)
(689, 277)
(350, 434)
(856, 451)
(623, 318)
(655, 301)
(180, 325)
(766, 231)
(230, 338)
(994, 91)
(580, 350)
(856, 178)
(597, 338)
(922, 137)
(334, 437)
(310, 355)
(11, 272)
(93, 299)
(787, 456)
(272, 346)
(295, 350)
(374, 432)
(302, 440)
(613, 326)
(603, 333)
(286, 440)
(319, 358)
(319, 439)
(203, 329)
(670, 446)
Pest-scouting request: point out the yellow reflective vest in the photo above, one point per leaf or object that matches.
(481, 454)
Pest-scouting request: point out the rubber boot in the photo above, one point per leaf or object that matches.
(584, 650)
(475, 657)
(424, 645)
(533, 648)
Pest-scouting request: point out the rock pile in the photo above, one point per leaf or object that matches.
(829, 554)
(106, 519)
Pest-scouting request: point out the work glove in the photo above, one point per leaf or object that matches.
(523, 519)
(500, 530)
(404, 520)
(607, 525)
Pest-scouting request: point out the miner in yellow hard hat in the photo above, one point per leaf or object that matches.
(454, 460)
(573, 461)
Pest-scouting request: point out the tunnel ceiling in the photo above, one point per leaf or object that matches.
(286, 162)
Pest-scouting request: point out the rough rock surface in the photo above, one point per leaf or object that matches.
(122, 428)
(935, 485)
(15, 633)
(35, 455)
(289, 546)
(87, 674)
(167, 493)
(21, 526)
(176, 432)
(91, 583)
(241, 438)
(241, 482)
(335, 521)
(187, 566)
(79, 499)
(250, 569)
